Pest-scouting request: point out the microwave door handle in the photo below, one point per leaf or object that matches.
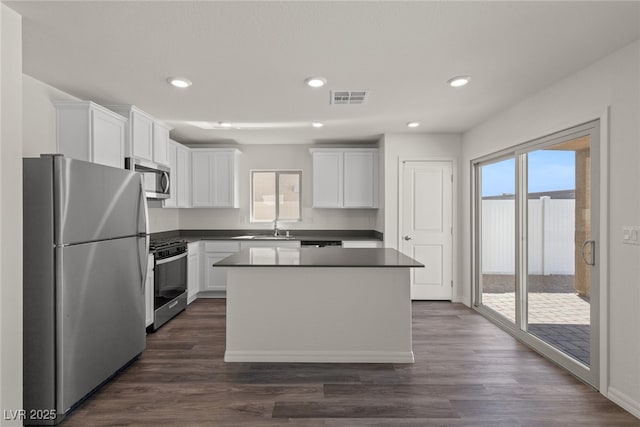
(164, 182)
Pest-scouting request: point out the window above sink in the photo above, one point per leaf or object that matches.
(275, 196)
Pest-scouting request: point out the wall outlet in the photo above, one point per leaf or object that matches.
(631, 235)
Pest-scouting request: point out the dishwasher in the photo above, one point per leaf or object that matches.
(321, 243)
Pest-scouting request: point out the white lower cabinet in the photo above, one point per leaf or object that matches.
(193, 271)
(148, 293)
(361, 244)
(270, 244)
(203, 277)
(215, 279)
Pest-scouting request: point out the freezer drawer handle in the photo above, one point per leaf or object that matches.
(173, 304)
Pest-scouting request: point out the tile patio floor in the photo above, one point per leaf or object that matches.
(560, 319)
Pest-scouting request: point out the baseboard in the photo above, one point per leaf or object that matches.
(320, 356)
(626, 402)
(211, 294)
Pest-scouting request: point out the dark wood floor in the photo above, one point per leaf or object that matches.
(467, 373)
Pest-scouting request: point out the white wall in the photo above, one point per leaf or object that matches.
(163, 219)
(613, 81)
(10, 212)
(424, 147)
(295, 157)
(39, 116)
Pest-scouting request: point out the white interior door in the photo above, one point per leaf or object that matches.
(426, 233)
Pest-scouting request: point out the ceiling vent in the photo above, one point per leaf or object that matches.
(341, 97)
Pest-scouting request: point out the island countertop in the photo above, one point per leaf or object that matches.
(319, 257)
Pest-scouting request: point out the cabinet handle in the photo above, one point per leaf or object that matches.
(407, 238)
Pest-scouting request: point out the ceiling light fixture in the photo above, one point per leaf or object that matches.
(413, 124)
(179, 82)
(315, 82)
(459, 81)
(225, 124)
(317, 124)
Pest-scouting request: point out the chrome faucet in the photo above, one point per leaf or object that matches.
(275, 228)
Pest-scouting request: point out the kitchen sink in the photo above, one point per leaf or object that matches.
(268, 237)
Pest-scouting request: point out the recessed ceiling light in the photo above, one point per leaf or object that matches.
(315, 82)
(180, 82)
(459, 81)
(413, 124)
(317, 124)
(225, 124)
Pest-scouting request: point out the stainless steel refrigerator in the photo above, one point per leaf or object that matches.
(85, 260)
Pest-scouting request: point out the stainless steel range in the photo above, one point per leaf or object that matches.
(169, 279)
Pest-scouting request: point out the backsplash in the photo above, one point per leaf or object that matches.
(229, 219)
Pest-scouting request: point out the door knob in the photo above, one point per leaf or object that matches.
(407, 238)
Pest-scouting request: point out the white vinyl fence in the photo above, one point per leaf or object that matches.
(551, 226)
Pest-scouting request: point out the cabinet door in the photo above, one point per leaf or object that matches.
(216, 277)
(200, 182)
(183, 178)
(222, 179)
(327, 180)
(148, 293)
(193, 271)
(172, 201)
(160, 144)
(361, 244)
(107, 139)
(360, 179)
(142, 136)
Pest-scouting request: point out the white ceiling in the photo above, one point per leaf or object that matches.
(248, 60)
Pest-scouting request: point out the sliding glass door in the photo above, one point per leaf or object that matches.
(497, 183)
(535, 247)
(560, 249)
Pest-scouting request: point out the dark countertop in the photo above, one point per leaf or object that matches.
(321, 235)
(318, 257)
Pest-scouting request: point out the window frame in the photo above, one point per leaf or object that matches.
(277, 173)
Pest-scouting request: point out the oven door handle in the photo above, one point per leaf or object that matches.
(173, 258)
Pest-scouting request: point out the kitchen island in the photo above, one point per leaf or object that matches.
(318, 305)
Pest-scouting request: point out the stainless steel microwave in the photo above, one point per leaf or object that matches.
(156, 178)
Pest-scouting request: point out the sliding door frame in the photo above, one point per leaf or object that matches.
(596, 129)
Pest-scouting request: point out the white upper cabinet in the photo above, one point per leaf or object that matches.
(161, 143)
(146, 138)
(89, 132)
(345, 177)
(214, 174)
(183, 182)
(327, 179)
(361, 179)
(180, 165)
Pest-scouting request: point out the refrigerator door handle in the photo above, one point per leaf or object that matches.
(143, 211)
(143, 217)
(143, 260)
